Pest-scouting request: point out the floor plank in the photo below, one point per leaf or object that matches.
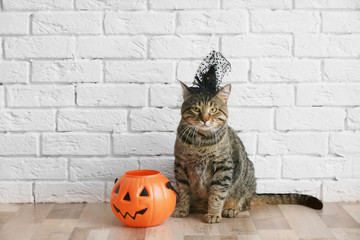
(171, 229)
(346, 233)
(66, 211)
(268, 217)
(26, 222)
(9, 207)
(55, 229)
(97, 215)
(237, 226)
(278, 235)
(337, 221)
(353, 210)
(4, 217)
(306, 222)
(335, 216)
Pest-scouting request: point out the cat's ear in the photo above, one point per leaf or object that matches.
(186, 92)
(224, 93)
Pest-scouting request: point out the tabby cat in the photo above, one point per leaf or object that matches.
(212, 170)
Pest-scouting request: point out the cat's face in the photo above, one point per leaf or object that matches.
(204, 111)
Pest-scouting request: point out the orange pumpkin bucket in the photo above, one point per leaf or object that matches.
(143, 198)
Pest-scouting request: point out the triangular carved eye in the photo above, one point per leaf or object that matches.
(144, 193)
(127, 197)
(117, 189)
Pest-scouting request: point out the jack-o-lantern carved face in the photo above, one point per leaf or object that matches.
(127, 197)
(143, 198)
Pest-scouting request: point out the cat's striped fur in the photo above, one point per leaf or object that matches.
(212, 169)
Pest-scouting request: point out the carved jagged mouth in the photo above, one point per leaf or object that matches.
(141, 212)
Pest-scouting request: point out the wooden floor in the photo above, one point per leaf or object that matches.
(96, 221)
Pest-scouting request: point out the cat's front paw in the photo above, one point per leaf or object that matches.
(229, 212)
(179, 213)
(212, 218)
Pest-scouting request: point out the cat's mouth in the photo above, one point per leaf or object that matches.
(204, 131)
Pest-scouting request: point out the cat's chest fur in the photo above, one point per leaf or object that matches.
(200, 167)
(200, 170)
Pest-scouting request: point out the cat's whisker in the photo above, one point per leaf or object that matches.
(189, 134)
(188, 128)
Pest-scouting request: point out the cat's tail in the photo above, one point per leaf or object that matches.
(291, 198)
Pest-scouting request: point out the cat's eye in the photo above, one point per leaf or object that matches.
(213, 110)
(196, 109)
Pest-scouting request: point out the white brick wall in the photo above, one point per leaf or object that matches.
(88, 90)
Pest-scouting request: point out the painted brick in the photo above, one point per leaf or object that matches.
(267, 167)
(110, 4)
(92, 120)
(27, 120)
(330, 4)
(164, 165)
(254, 4)
(37, 4)
(342, 22)
(355, 164)
(108, 190)
(345, 143)
(14, 23)
(16, 192)
(40, 96)
(66, 192)
(285, 71)
(243, 119)
(212, 21)
(181, 47)
(111, 95)
(111, 47)
(185, 4)
(67, 23)
(321, 45)
(90, 169)
(239, 71)
(353, 118)
(293, 143)
(249, 141)
(329, 94)
(75, 144)
(33, 168)
(39, 47)
(285, 21)
(261, 95)
(257, 46)
(17, 144)
(14, 72)
(66, 71)
(144, 144)
(315, 167)
(154, 119)
(139, 22)
(140, 71)
(341, 190)
(309, 187)
(165, 95)
(2, 94)
(340, 70)
(310, 119)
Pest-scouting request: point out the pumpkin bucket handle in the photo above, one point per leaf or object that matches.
(170, 186)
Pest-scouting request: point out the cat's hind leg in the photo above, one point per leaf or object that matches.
(233, 206)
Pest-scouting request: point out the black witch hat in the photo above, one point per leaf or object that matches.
(211, 72)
